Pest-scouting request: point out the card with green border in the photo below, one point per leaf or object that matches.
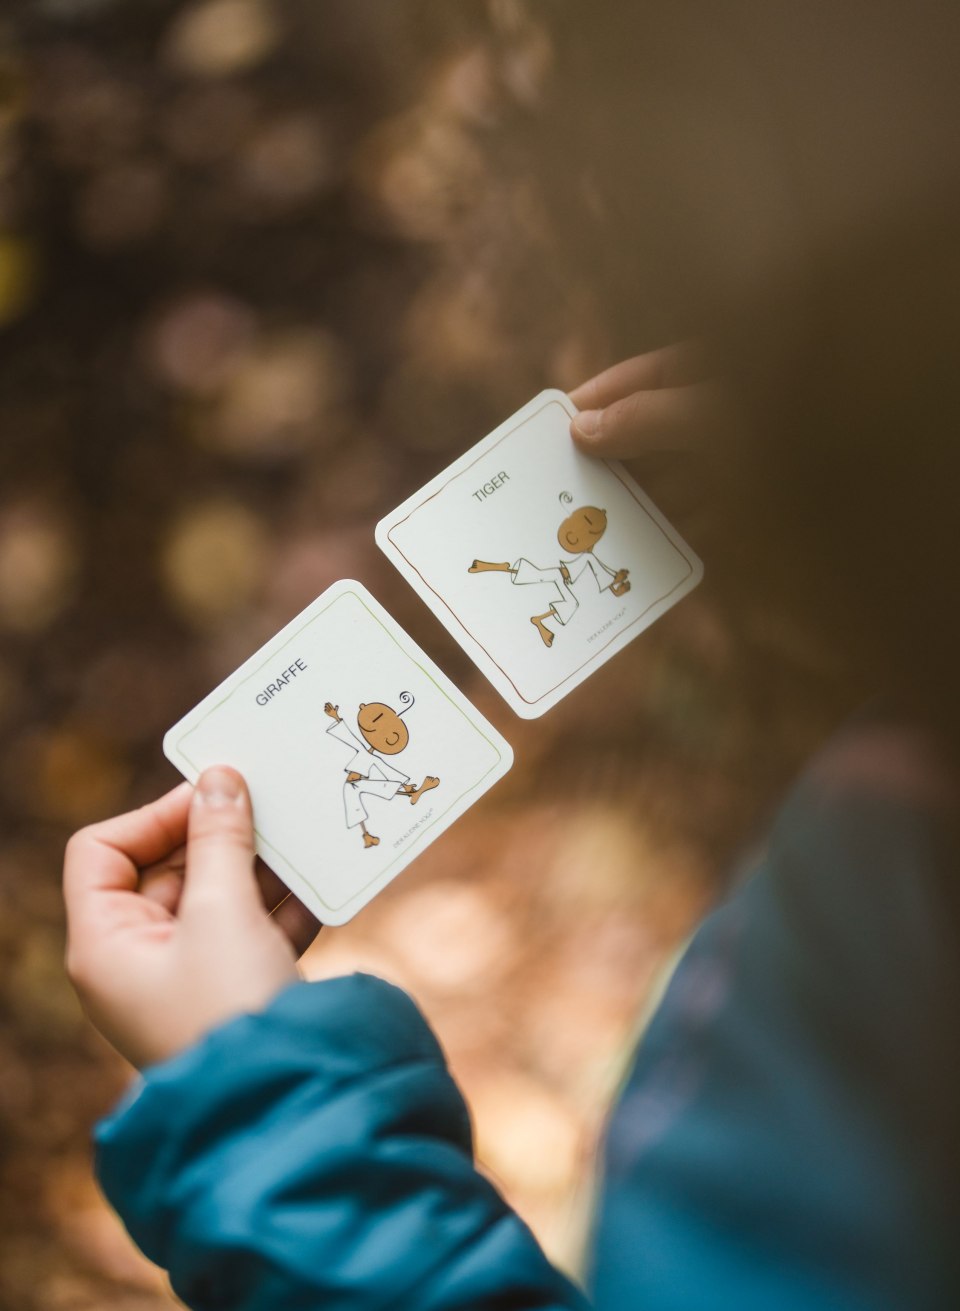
(357, 750)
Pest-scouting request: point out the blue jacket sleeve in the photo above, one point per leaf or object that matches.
(318, 1155)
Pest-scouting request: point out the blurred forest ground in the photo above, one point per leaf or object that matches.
(264, 269)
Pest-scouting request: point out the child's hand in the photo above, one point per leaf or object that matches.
(652, 404)
(168, 934)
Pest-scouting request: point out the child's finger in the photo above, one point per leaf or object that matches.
(164, 885)
(669, 420)
(108, 855)
(671, 366)
(220, 846)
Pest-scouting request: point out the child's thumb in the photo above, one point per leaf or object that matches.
(220, 847)
(666, 421)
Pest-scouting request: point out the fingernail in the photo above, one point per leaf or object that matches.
(218, 787)
(587, 422)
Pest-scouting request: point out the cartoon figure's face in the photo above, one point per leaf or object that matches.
(582, 529)
(382, 728)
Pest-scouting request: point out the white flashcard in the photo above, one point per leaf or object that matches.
(357, 750)
(539, 560)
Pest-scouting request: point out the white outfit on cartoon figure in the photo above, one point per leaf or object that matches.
(378, 779)
(564, 601)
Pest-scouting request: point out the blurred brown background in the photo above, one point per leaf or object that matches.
(264, 269)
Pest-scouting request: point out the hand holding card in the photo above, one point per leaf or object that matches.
(168, 933)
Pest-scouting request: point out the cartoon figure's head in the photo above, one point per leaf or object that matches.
(382, 727)
(582, 529)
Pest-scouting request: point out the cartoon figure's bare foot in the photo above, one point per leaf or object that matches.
(354, 777)
(485, 567)
(618, 589)
(545, 632)
(370, 841)
(428, 783)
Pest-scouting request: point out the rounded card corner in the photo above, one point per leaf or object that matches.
(525, 711)
(346, 586)
(335, 919)
(561, 397)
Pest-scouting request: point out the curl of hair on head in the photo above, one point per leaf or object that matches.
(406, 700)
(566, 498)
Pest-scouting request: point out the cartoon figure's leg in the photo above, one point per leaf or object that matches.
(546, 633)
(355, 788)
(563, 603)
(522, 574)
(408, 790)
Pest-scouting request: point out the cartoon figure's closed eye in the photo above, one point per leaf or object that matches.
(382, 728)
(384, 734)
(582, 530)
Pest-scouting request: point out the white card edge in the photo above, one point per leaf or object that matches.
(463, 461)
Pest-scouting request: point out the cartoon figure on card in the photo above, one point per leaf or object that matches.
(368, 775)
(577, 535)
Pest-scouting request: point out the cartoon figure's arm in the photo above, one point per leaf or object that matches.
(389, 771)
(573, 570)
(611, 573)
(607, 579)
(339, 730)
(618, 578)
